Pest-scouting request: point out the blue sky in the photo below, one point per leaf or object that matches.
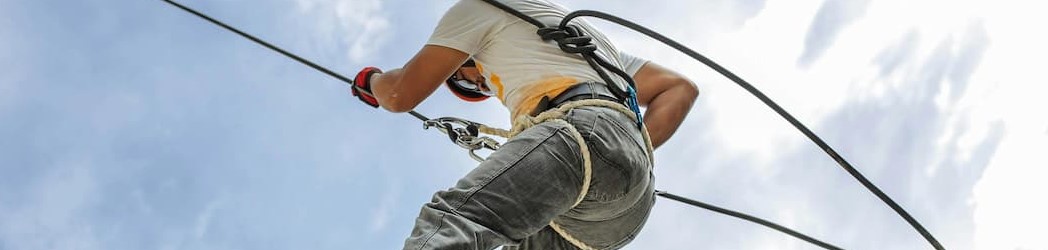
(132, 125)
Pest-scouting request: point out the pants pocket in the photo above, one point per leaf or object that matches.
(619, 161)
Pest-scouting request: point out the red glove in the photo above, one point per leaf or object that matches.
(362, 86)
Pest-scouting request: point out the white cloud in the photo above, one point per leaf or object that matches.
(731, 149)
(1009, 199)
(203, 220)
(1010, 203)
(833, 16)
(380, 215)
(363, 25)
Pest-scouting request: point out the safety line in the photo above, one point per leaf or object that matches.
(263, 43)
(282, 52)
(746, 217)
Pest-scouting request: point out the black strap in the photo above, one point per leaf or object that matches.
(586, 90)
(581, 91)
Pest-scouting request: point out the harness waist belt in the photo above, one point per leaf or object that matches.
(581, 91)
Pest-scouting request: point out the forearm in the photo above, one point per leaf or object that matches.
(667, 111)
(400, 90)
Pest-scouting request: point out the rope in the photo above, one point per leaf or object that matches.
(524, 122)
(568, 237)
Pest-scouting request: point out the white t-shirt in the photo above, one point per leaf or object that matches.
(519, 66)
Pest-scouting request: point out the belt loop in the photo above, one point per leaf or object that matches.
(593, 93)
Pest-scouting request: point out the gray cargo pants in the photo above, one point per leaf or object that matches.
(510, 198)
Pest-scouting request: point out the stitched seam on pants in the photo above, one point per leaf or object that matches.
(631, 135)
(503, 170)
(614, 167)
(633, 233)
(435, 230)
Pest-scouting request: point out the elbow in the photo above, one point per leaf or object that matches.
(396, 105)
(399, 102)
(691, 89)
(393, 100)
(686, 87)
(396, 109)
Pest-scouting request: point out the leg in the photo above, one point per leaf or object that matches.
(515, 193)
(545, 239)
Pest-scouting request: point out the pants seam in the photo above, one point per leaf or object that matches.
(434, 233)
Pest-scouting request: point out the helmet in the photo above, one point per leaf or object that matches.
(466, 89)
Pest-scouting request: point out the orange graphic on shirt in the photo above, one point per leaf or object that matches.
(533, 93)
(495, 80)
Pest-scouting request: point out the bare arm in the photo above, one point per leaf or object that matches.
(668, 97)
(400, 90)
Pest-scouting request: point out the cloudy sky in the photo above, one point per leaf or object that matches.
(132, 125)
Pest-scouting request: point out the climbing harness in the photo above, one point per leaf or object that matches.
(467, 134)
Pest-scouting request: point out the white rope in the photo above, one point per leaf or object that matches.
(564, 234)
(524, 122)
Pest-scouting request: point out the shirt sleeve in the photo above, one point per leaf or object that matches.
(466, 27)
(630, 63)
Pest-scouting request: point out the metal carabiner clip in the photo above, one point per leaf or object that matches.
(464, 133)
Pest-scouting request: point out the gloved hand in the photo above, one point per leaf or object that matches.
(362, 86)
(464, 83)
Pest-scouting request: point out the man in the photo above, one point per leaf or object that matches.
(527, 195)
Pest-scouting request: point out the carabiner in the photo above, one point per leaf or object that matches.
(464, 133)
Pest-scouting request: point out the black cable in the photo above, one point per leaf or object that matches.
(796, 124)
(281, 51)
(263, 43)
(746, 217)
